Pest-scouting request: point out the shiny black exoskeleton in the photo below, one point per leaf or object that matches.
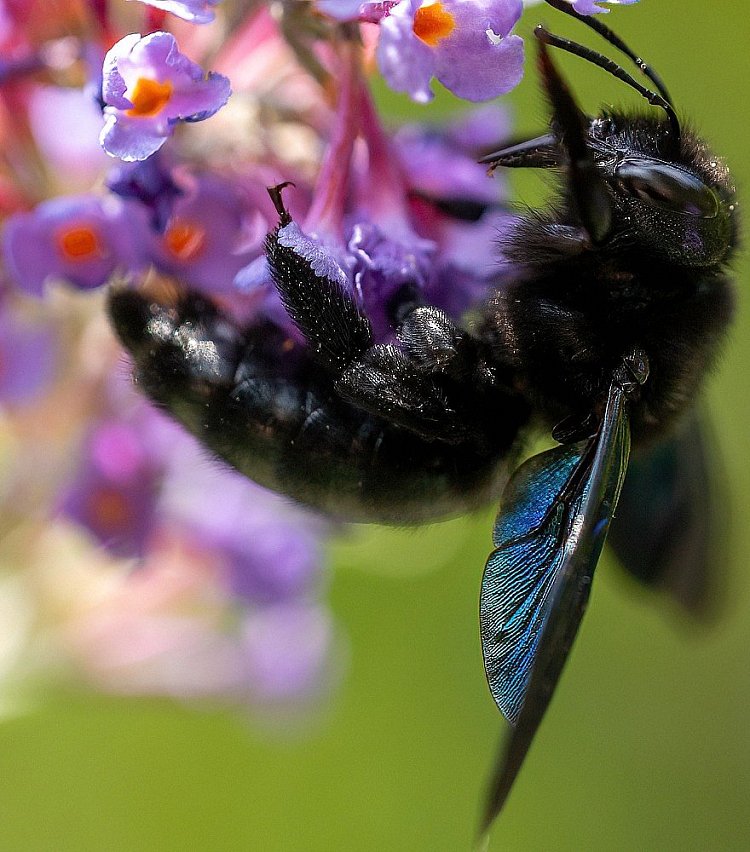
(618, 301)
(655, 278)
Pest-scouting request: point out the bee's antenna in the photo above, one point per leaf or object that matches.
(655, 99)
(606, 33)
(592, 199)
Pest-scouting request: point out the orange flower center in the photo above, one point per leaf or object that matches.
(185, 240)
(80, 242)
(148, 97)
(433, 23)
(110, 509)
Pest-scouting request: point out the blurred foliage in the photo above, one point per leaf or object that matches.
(645, 746)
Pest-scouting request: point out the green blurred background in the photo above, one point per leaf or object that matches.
(646, 745)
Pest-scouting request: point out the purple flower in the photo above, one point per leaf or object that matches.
(28, 356)
(442, 164)
(342, 10)
(356, 10)
(115, 490)
(466, 45)
(273, 561)
(149, 86)
(478, 128)
(456, 206)
(210, 236)
(150, 182)
(80, 239)
(287, 651)
(384, 268)
(195, 11)
(272, 549)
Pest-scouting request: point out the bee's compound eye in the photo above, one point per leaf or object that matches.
(667, 186)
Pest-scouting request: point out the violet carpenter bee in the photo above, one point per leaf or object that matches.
(618, 302)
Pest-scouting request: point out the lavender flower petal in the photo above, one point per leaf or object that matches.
(271, 548)
(371, 11)
(442, 166)
(130, 141)
(406, 62)
(481, 127)
(28, 356)
(287, 651)
(207, 241)
(256, 275)
(385, 267)
(113, 495)
(341, 10)
(113, 84)
(194, 11)
(150, 182)
(480, 60)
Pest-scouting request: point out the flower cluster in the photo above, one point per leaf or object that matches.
(129, 155)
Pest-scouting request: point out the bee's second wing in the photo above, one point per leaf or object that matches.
(671, 526)
(551, 527)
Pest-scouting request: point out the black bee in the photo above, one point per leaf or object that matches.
(619, 302)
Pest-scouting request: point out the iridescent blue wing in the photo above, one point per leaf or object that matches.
(551, 527)
(671, 526)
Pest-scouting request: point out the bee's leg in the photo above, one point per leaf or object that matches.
(315, 294)
(434, 380)
(424, 382)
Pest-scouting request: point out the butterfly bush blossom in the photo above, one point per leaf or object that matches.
(147, 566)
(148, 87)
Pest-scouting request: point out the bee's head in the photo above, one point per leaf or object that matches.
(635, 182)
(677, 205)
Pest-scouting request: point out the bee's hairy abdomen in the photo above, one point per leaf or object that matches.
(255, 398)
